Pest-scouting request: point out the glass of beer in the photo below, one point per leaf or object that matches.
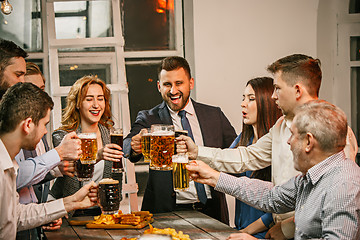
(161, 146)
(180, 173)
(177, 134)
(109, 195)
(145, 134)
(84, 167)
(116, 136)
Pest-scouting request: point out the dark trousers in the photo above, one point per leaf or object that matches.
(29, 234)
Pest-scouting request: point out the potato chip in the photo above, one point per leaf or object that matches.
(167, 231)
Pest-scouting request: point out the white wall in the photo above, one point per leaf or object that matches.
(235, 40)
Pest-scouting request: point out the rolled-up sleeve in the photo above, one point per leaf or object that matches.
(33, 215)
(254, 157)
(259, 194)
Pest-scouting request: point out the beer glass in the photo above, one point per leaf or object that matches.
(85, 165)
(177, 134)
(109, 195)
(116, 136)
(181, 177)
(145, 134)
(161, 146)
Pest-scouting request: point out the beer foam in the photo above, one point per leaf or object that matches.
(116, 134)
(163, 133)
(87, 135)
(108, 181)
(180, 158)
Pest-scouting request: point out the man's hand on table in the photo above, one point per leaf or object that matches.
(54, 225)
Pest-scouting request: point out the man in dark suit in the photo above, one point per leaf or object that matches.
(208, 126)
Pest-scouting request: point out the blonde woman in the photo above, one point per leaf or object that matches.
(87, 111)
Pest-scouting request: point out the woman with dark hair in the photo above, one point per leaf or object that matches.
(259, 115)
(88, 111)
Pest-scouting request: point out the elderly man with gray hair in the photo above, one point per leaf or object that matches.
(325, 197)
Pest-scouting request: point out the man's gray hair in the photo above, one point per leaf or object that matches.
(325, 121)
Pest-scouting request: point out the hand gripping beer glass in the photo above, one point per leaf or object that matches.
(116, 136)
(181, 177)
(177, 134)
(85, 165)
(161, 146)
(145, 134)
(109, 195)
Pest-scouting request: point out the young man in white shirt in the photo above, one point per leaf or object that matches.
(325, 196)
(24, 113)
(297, 80)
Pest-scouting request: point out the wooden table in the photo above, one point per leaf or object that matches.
(193, 223)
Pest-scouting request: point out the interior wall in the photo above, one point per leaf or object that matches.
(235, 40)
(326, 42)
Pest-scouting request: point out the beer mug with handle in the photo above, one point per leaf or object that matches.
(162, 146)
(84, 167)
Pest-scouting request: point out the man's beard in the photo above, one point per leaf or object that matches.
(4, 86)
(182, 104)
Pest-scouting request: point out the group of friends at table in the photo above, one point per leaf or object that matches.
(292, 169)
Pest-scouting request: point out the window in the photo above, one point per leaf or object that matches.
(121, 41)
(355, 99)
(148, 25)
(84, 19)
(347, 94)
(152, 30)
(25, 31)
(354, 6)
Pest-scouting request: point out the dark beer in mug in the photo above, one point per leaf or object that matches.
(116, 137)
(84, 172)
(85, 166)
(109, 195)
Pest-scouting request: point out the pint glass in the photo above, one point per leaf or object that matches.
(161, 146)
(116, 136)
(109, 195)
(145, 134)
(85, 166)
(180, 173)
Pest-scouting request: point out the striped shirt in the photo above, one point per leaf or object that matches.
(326, 199)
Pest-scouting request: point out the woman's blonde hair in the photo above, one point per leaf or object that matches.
(71, 114)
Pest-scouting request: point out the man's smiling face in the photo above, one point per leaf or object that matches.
(175, 87)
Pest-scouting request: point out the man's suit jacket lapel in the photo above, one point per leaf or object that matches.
(204, 122)
(164, 114)
(29, 154)
(46, 145)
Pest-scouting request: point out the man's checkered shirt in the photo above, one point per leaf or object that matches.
(326, 199)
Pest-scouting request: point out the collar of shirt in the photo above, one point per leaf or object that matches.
(189, 108)
(317, 171)
(6, 161)
(288, 122)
